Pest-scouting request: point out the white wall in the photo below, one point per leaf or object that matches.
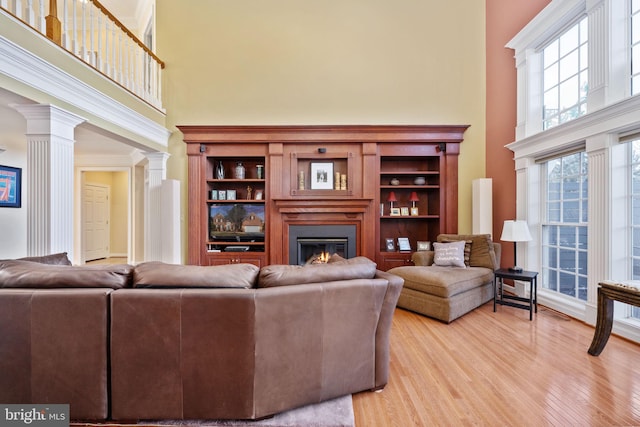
(13, 221)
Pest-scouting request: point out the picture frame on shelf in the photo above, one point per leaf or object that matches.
(231, 194)
(258, 195)
(423, 246)
(322, 176)
(414, 212)
(390, 244)
(394, 212)
(403, 244)
(10, 187)
(214, 194)
(404, 211)
(222, 195)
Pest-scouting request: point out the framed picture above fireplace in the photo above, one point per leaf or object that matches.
(321, 176)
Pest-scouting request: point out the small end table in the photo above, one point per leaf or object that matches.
(527, 276)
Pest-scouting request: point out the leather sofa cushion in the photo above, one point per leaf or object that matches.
(161, 275)
(482, 251)
(29, 274)
(443, 282)
(54, 259)
(341, 269)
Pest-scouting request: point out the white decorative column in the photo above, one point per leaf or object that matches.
(153, 231)
(598, 54)
(50, 139)
(599, 230)
(482, 206)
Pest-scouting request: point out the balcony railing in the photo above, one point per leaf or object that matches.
(87, 30)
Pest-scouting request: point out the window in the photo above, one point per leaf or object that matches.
(564, 231)
(565, 77)
(635, 47)
(634, 170)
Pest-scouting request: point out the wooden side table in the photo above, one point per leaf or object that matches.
(607, 293)
(502, 299)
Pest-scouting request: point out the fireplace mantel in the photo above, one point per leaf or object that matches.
(363, 158)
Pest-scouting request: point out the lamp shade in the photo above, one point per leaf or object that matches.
(515, 231)
(392, 197)
(414, 197)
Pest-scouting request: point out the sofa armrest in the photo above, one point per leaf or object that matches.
(384, 326)
(423, 258)
(497, 248)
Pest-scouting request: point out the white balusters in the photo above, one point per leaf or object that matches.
(64, 25)
(29, 13)
(92, 49)
(89, 33)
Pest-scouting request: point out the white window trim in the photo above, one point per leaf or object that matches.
(611, 112)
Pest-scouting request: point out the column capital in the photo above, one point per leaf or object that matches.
(47, 119)
(157, 160)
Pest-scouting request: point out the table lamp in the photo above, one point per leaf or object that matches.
(515, 231)
(392, 198)
(413, 198)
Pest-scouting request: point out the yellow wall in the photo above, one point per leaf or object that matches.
(326, 62)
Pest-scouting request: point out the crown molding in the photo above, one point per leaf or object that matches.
(27, 68)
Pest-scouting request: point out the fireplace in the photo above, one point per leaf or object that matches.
(307, 241)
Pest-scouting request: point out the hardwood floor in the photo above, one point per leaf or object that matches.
(499, 369)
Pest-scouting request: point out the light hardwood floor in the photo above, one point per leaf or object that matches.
(500, 369)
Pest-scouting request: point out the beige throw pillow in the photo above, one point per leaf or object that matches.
(449, 254)
(482, 253)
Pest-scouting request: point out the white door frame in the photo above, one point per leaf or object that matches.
(79, 185)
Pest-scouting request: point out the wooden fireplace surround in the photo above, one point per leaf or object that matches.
(354, 151)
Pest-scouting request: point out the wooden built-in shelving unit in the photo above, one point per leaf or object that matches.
(367, 158)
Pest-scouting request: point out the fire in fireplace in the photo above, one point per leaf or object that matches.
(307, 242)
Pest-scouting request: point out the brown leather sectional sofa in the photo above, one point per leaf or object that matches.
(160, 341)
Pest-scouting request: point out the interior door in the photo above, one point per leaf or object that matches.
(95, 221)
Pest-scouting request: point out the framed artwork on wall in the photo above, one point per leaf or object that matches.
(10, 187)
(321, 176)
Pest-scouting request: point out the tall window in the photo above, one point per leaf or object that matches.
(564, 245)
(635, 215)
(635, 47)
(565, 79)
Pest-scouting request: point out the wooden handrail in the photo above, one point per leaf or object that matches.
(126, 30)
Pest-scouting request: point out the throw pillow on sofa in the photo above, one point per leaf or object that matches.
(338, 269)
(449, 254)
(467, 250)
(156, 274)
(482, 252)
(29, 274)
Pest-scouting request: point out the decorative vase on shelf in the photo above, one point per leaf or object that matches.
(220, 171)
(394, 181)
(419, 180)
(239, 171)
